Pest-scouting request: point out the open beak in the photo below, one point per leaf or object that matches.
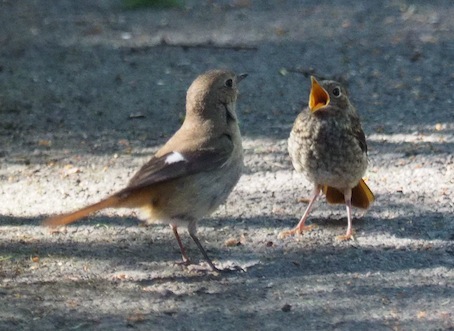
(318, 98)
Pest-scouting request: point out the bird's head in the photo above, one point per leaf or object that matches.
(327, 93)
(213, 95)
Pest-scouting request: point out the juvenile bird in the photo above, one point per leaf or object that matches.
(328, 145)
(194, 172)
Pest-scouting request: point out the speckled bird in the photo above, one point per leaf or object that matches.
(328, 145)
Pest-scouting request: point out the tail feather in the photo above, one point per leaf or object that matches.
(69, 218)
(362, 196)
(333, 195)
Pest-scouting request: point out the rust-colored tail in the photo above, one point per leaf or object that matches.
(362, 196)
(69, 218)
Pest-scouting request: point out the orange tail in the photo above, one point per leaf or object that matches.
(69, 218)
(362, 196)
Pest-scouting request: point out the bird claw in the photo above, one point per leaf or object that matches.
(234, 268)
(296, 231)
(347, 236)
(184, 263)
(203, 267)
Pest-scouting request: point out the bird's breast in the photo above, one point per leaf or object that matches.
(326, 152)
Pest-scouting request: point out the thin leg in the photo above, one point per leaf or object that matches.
(348, 203)
(300, 228)
(207, 258)
(186, 260)
(204, 253)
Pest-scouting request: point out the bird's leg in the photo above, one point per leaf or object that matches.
(348, 203)
(300, 228)
(204, 253)
(186, 260)
(192, 233)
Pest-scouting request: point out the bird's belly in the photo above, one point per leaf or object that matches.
(331, 165)
(193, 197)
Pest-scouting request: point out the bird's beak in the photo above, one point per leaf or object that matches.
(240, 77)
(318, 98)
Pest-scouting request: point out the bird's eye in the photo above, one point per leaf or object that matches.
(336, 92)
(229, 82)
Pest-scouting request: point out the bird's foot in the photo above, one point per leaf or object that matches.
(298, 230)
(212, 268)
(184, 262)
(234, 268)
(346, 237)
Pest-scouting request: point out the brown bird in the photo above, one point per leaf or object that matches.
(194, 172)
(328, 145)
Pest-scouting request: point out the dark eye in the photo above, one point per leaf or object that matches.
(336, 92)
(229, 82)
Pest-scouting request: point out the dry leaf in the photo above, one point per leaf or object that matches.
(136, 318)
(136, 115)
(304, 200)
(283, 72)
(120, 277)
(123, 142)
(69, 169)
(421, 314)
(232, 242)
(45, 143)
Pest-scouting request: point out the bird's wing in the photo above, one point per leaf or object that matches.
(180, 163)
(358, 133)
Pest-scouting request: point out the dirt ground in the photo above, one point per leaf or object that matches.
(89, 90)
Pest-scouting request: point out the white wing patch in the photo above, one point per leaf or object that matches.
(175, 157)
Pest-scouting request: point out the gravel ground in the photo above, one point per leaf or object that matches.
(89, 90)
